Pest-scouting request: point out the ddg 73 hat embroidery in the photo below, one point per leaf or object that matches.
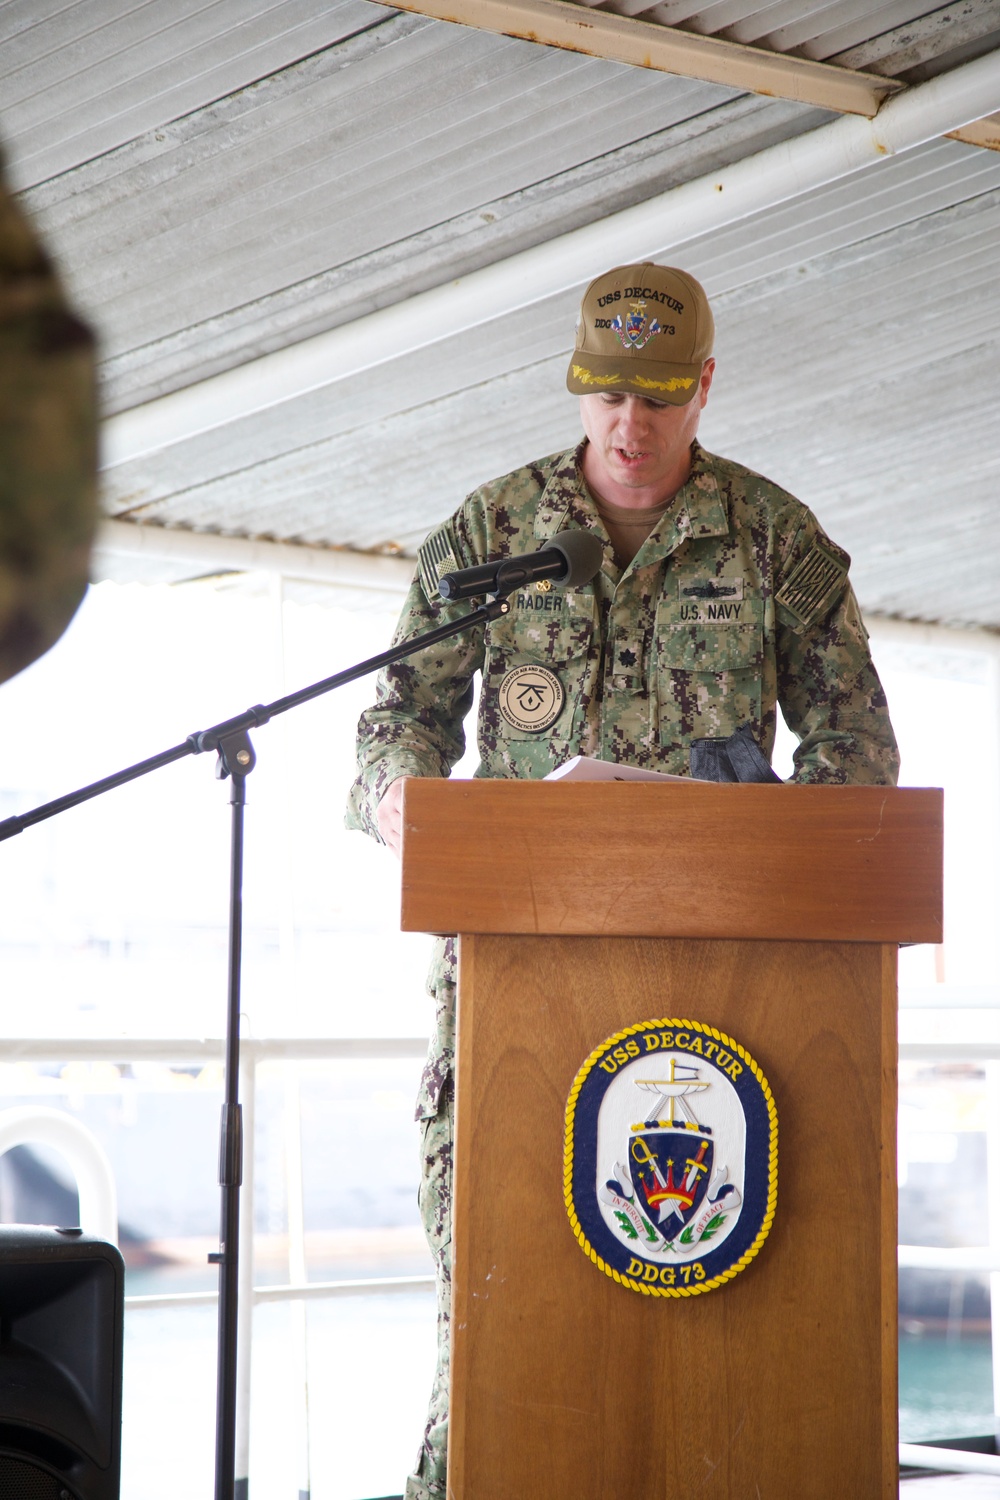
(645, 330)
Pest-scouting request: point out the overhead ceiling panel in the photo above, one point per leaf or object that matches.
(483, 234)
(888, 431)
(906, 39)
(392, 135)
(292, 471)
(77, 80)
(921, 46)
(225, 179)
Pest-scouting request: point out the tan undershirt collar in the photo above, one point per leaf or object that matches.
(629, 527)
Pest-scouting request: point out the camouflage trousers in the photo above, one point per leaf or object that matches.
(429, 1478)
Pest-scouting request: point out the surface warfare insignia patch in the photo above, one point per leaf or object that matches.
(531, 698)
(671, 1158)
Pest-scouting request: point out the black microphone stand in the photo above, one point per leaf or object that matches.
(235, 759)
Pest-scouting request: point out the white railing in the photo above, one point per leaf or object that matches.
(207, 1049)
(949, 1051)
(319, 1049)
(308, 1291)
(947, 1460)
(981, 1258)
(254, 1052)
(86, 1157)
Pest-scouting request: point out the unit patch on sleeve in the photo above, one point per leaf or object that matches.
(437, 555)
(815, 583)
(671, 1158)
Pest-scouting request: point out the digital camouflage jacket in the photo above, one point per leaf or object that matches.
(48, 447)
(737, 602)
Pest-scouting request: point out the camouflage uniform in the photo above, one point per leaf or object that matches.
(735, 603)
(436, 1159)
(48, 448)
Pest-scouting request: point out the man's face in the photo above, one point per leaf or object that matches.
(636, 444)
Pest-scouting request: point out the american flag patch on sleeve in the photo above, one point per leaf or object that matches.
(437, 555)
(815, 583)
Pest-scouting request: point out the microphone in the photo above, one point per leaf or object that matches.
(571, 558)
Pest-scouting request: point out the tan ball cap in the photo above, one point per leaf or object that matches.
(646, 330)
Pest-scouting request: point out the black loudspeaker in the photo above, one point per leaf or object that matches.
(62, 1299)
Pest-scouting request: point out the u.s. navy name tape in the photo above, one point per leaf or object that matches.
(671, 1158)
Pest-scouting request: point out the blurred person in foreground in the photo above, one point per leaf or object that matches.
(48, 447)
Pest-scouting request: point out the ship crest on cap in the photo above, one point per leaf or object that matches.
(635, 330)
(644, 330)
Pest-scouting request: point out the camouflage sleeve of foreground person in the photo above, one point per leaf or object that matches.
(48, 448)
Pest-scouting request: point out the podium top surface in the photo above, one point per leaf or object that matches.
(698, 859)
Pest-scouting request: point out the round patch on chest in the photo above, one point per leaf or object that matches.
(531, 698)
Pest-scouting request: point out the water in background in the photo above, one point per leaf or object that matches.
(945, 1386)
(370, 1367)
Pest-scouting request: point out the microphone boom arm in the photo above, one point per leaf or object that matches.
(217, 735)
(235, 760)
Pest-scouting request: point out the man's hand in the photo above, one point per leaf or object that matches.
(389, 815)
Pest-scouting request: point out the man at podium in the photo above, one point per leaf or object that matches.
(719, 598)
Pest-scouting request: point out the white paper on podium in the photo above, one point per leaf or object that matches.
(586, 768)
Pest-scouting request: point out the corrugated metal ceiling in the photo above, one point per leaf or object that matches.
(77, 80)
(222, 180)
(905, 321)
(902, 38)
(330, 161)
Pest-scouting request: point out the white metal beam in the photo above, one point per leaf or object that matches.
(942, 637)
(970, 1261)
(947, 1460)
(648, 230)
(125, 1049)
(309, 1291)
(206, 552)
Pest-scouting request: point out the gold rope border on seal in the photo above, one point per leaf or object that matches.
(772, 1164)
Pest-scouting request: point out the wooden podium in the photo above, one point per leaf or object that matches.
(772, 913)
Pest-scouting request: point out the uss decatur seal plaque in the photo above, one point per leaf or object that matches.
(671, 1158)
